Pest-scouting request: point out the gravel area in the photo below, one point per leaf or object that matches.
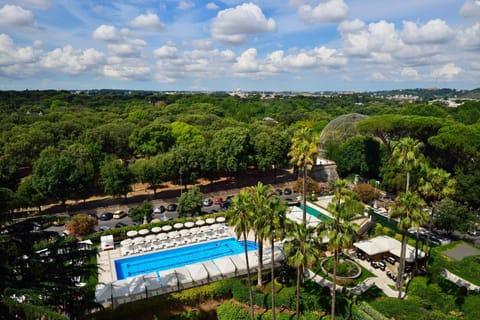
(462, 251)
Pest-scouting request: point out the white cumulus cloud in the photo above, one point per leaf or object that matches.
(16, 16)
(434, 31)
(149, 21)
(211, 6)
(70, 60)
(447, 72)
(409, 73)
(470, 37)
(234, 24)
(471, 9)
(185, 5)
(126, 72)
(106, 33)
(329, 11)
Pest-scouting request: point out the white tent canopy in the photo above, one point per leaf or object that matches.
(169, 278)
(213, 271)
(384, 244)
(198, 272)
(106, 242)
(226, 266)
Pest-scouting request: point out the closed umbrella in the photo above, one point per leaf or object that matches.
(167, 228)
(132, 233)
(200, 222)
(178, 225)
(210, 220)
(156, 229)
(189, 224)
(143, 232)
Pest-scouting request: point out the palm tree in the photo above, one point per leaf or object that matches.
(406, 153)
(240, 216)
(435, 185)
(408, 209)
(303, 153)
(275, 228)
(301, 250)
(260, 197)
(340, 230)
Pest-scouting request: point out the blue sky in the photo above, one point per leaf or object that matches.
(271, 45)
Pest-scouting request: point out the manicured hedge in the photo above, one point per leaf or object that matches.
(30, 312)
(231, 311)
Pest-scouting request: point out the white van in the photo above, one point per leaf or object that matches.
(119, 214)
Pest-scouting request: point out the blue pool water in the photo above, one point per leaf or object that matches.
(179, 257)
(314, 212)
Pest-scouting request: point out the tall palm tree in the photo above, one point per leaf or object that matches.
(301, 250)
(275, 228)
(340, 230)
(303, 153)
(240, 216)
(260, 197)
(407, 155)
(435, 185)
(408, 209)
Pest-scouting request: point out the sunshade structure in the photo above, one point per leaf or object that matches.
(226, 266)
(150, 238)
(138, 240)
(184, 278)
(200, 222)
(178, 225)
(156, 220)
(156, 229)
(143, 232)
(167, 228)
(132, 233)
(162, 236)
(173, 234)
(220, 219)
(198, 273)
(153, 285)
(210, 220)
(279, 256)
(126, 242)
(104, 294)
(384, 244)
(213, 271)
(136, 288)
(189, 224)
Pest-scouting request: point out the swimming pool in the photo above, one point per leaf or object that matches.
(179, 257)
(314, 212)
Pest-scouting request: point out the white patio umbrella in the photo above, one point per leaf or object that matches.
(200, 222)
(150, 238)
(138, 240)
(162, 236)
(143, 232)
(126, 242)
(178, 225)
(132, 233)
(220, 219)
(216, 226)
(173, 234)
(210, 220)
(167, 227)
(156, 220)
(184, 232)
(194, 230)
(189, 224)
(156, 229)
(205, 229)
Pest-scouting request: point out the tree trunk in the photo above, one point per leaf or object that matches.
(416, 251)
(297, 303)
(249, 277)
(334, 285)
(154, 191)
(408, 182)
(401, 266)
(304, 193)
(273, 277)
(427, 249)
(260, 264)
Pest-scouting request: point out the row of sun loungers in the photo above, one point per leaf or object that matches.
(157, 283)
(170, 242)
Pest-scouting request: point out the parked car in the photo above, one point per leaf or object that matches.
(104, 228)
(106, 216)
(172, 207)
(119, 214)
(207, 202)
(287, 191)
(120, 225)
(474, 233)
(218, 200)
(159, 209)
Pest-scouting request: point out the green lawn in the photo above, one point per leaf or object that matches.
(468, 268)
(350, 283)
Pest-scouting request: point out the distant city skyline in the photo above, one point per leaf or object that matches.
(269, 45)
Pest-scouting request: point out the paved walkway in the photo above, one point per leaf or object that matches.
(459, 281)
(380, 280)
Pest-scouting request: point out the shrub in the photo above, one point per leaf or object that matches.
(215, 290)
(231, 311)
